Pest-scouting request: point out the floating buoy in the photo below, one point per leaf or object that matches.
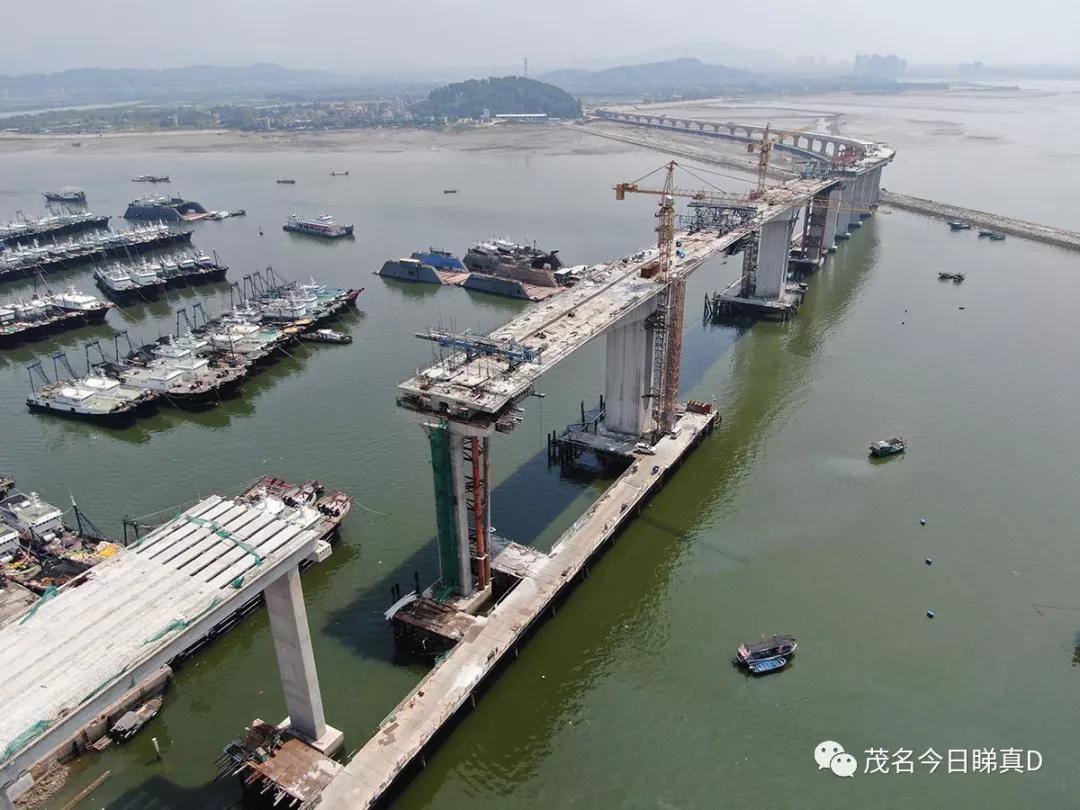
(929, 614)
(922, 521)
(928, 561)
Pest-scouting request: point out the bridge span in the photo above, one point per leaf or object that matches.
(490, 591)
(78, 655)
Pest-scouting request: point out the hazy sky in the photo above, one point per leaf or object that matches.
(366, 36)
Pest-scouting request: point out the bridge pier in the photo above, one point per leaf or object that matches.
(875, 188)
(817, 232)
(773, 253)
(461, 465)
(296, 664)
(847, 209)
(628, 374)
(828, 240)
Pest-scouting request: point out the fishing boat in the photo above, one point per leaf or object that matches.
(326, 336)
(957, 225)
(68, 195)
(151, 178)
(285, 181)
(94, 398)
(888, 447)
(172, 368)
(956, 278)
(771, 648)
(340, 174)
(449, 191)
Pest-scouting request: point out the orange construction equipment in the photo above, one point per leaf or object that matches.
(668, 320)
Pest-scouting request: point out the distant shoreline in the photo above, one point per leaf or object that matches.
(547, 138)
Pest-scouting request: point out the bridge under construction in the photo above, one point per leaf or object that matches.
(491, 591)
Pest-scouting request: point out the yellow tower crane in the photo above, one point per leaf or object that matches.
(668, 321)
(764, 150)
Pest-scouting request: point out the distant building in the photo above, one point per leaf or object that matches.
(876, 66)
(522, 118)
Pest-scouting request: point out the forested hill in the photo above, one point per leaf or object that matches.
(509, 94)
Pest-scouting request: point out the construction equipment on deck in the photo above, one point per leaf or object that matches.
(667, 321)
(475, 346)
(764, 149)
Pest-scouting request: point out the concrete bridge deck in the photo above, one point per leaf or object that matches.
(116, 625)
(402, 736)
(476, 392)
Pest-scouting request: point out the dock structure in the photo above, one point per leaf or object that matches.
(1059, 237)
(117, 625)
(534, 581)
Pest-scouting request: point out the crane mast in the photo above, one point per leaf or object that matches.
(667, 347)
(667, 322)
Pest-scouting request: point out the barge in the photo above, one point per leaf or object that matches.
(165, 209)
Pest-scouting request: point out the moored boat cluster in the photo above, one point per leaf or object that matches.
(196, 369)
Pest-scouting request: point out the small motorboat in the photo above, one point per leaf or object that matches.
(239, 212)
(449, 191)
(765, 667)
(340, 174)
(286, 181)
(957, 225)
(994, 236)
(956, 278)
(326, 336)
(771, 648)
(888, 447)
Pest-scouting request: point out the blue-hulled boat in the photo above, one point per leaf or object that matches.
(767, 666)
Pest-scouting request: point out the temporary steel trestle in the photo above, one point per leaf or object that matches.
(475, 346)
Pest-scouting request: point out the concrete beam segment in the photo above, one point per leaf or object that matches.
(628, 373)
(773, 254)
(296, 659)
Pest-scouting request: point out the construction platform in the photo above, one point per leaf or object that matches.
(272, 763)
(531, 581)
(79, 649)
(730, 304)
